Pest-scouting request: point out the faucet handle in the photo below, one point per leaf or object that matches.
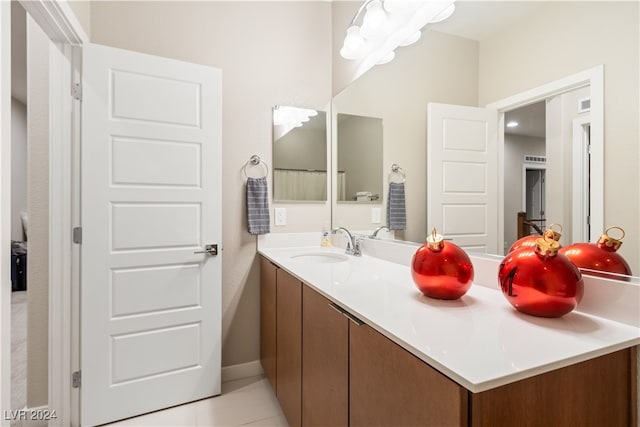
(357, 239)
(349, 249)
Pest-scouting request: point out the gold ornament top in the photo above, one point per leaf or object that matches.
(554, 234)
(435, 241)
(546, 247)
(609, 242)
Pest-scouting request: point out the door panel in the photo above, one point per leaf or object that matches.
(388, 386)
(325, 367)
(150, 306)
(462, 174)
(289, 346)
(138, 162)
(154, 98)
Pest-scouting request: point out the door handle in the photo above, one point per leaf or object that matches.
(209, 250)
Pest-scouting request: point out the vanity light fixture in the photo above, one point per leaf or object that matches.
(387, 24)
(512, 124)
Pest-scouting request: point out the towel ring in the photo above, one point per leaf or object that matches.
(255, 160)
(395, 169)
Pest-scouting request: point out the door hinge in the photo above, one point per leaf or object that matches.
(76, 379)
(76, 91)
(77, 235)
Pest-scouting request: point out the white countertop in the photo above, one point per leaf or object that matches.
(479, 341)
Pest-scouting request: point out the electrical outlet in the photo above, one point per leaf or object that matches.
(281, 216)
(375, 215)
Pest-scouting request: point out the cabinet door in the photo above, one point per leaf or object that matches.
(597, 392)
(325, 371)
(391, 387)
(289, 346)
(268, 319)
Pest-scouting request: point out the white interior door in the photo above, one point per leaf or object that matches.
(462, 174)
(150, 305)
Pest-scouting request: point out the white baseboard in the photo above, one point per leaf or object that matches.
(242, 370)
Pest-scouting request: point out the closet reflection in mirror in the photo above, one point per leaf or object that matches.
(359, 164)
(299, 154)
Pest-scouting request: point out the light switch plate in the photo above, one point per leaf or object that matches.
(375, 215)
(281, 216)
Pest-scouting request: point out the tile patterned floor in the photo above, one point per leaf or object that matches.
(245, 402)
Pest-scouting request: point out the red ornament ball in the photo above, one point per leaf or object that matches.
(601, 257)
(540, 281)
(441, 269)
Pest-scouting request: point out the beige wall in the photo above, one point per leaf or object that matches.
(82, 10)
(576, 36)
(38, 209)
(270, 53)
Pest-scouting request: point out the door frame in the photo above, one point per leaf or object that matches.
(581, 169)
(593, 77)
(64, 30)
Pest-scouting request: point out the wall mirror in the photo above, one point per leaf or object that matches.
(299, 154)
(359, 163)
(469, 61)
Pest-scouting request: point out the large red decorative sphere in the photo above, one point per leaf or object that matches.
(541, 281)
(530, 241)
(441, 269)
(600, 257)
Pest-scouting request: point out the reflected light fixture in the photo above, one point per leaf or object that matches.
(387, 24)
(286, 118)
(512, 124)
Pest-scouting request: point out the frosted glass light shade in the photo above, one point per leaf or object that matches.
(411, 39)
(374, 20)
(354, 44)
(387, 58)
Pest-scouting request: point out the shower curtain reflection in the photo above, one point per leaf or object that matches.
(292, 184)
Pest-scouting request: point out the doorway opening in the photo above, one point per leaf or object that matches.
(547, 141)
(29, 210)
(534, 195)
(524, 169)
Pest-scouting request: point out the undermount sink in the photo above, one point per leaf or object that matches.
(320, 257)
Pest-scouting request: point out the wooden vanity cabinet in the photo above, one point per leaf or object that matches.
(281, 337)
(325, 363)
(598, 392)
(289, 346)
(330, 371)
(388, 386)
(268, 319)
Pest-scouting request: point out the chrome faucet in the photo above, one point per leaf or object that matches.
(377, 230)
(353, 244)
